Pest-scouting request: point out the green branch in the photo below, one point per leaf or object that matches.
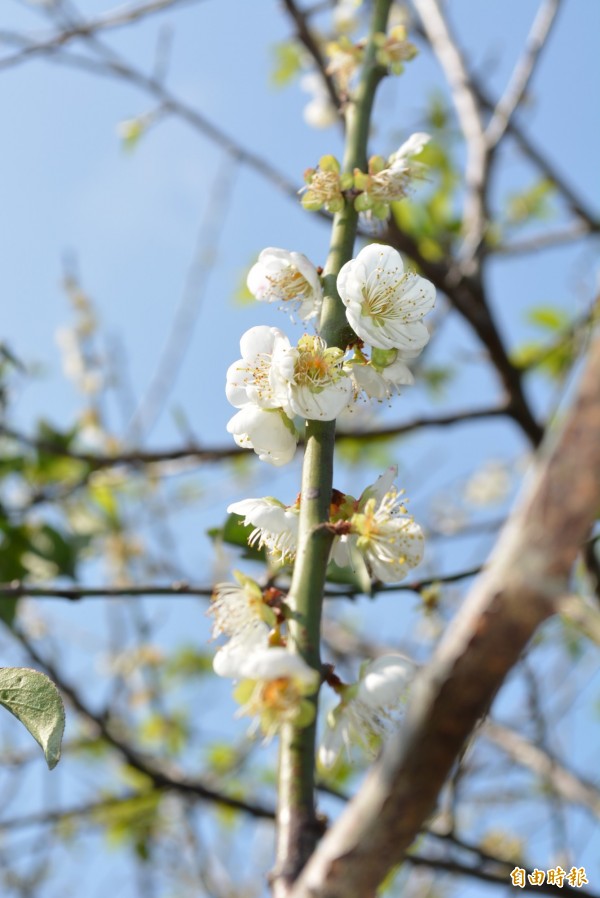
(298, 826)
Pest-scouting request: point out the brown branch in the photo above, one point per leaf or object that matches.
(18, 589)
(140, 457)
(537, 156)
(526, 576)
(412, 586)
(47, 818)
(307, 39)
(467, 295)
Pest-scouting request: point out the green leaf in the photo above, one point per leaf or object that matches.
(8, 609)
(358, 577)
(34, 700)
(550, 318)
(288, 59)
(235, 533)
(532, 203)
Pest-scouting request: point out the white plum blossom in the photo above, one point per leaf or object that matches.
(241, 613)
(275, 688)
(389, 540)
(385, 304)
(381, 531)
(236, 607)
(314, 377)
(393, 183)
(320, 111)
(286, 277)
(381, 383)
(384, 682)
(268, 431)
(230, 659)
(369, 711)
(345, 15)
(275, 524)
(249, 380)
(262, 423)
(375, 531)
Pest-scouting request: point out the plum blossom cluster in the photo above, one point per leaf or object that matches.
(371, 192)
(274, 685)
(374, 531)
(274, 384)
(388, 182)
(345, 58)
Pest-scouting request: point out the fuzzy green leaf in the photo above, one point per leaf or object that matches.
(34, 700)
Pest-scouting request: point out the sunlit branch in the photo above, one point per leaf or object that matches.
(522, 73)
(547, 240)
(450, 57)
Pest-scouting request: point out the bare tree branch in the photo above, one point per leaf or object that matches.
(549, 239)
(526, 576)
(567, 784)
(307, 38)
(182, 589)
(446, 49)
(523, 72)
(140, 457)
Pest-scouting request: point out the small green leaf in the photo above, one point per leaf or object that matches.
(357, 577)
(236, 533)
(287, 63)
(551, 318)
(34, 700)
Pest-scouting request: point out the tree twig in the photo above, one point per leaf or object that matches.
(522, 73)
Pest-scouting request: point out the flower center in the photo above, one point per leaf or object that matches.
(278, 695)
(289, 284)
(317, 366)
(325, 185)
(380, 294)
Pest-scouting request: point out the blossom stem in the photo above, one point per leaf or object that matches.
(334, 326)
(298, 826)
